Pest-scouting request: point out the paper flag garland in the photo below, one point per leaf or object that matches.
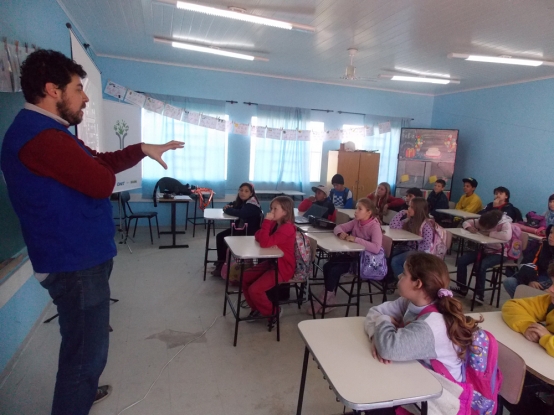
(115, 90)
(154, 105)
(136, 98)
(173, 112)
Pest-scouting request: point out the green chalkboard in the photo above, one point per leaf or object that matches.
(11, 240)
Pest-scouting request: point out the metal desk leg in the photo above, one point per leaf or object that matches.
(359, 286)
(424, 408)
(302, 381)
(207, 246)
(237, 317)
(226, 296)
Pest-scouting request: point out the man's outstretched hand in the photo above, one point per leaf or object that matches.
(155, 151)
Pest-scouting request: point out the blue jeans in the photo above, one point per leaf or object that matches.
(487, 261)
(399, 255)
(511, 283)
(83, 301)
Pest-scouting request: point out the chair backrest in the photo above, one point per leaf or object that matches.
(389, 216)
(387, 245)
(451, 205)
(313, 248)
(124, 198)
(448, 241)
(524, 242)
(342, 218)
(524, 291)
(513, 371)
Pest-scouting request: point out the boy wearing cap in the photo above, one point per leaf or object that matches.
(340, 195)
(470, 202)
(502, 202)
(320, 198)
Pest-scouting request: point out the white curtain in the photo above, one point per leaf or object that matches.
(203, 161)
(387, 144)
(280, 164)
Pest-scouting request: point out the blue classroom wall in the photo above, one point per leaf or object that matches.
(40, 22)
(506, 139)
(227, 86)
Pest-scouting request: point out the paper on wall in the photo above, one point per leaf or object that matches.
(207, 121)
(318, 135)
(242, 129)
(221, 124)
(289, 135)
(273, 133)
(334, 135)
(303, 135)
(191, 117)
(369, 130)
(384, 127)
(259, 132)
(115, 90)
(154, 105)
(136, 98)
(173, 112)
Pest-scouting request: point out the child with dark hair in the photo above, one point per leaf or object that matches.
(340, 195)
(403, 331)
(247, 208)
(502, 202)
(321, 198)
(495, 224)
(470, 202)
(534, 266)
(437, 199)
(549, 214)
(409, 195)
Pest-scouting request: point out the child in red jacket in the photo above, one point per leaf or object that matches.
(277, 230)
(384, 200)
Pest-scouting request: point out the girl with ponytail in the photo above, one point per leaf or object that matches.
(399, 330)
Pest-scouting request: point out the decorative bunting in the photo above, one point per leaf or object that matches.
(369, 130)
(260, 132)
(154, 105)
(334, 135)
(191, 117)
(289, 135)
(273, 133)
(304, 135)
(136, 98)
(173, 112)
(115, 90)
(242, 129)
(207, 121)
(221, 124)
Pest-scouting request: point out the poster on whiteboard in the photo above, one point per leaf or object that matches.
(121, 129)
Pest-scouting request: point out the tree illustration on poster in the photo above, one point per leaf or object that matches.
(121, 128)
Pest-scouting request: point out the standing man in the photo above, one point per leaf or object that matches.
(59, 189)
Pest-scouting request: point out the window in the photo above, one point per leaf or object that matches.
(316, 151)
(203, 161)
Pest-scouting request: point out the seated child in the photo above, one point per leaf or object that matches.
(533, 269)
(320, 198)
(277, 230)
(340, 195)
(502, 202)
(409, 195)
(384, 200)
(437, 198)
(495, 224)
(524, 315)
(470, 202)
(549, 214)
(415, 220)
(397, 334)
(247, 208)
(365, 229)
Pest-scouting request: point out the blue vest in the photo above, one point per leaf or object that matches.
(64, 229)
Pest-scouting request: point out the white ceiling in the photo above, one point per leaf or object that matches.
(409, 36)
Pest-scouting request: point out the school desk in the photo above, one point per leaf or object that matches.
(341, 349)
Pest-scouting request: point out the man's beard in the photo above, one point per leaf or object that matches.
(72, 117)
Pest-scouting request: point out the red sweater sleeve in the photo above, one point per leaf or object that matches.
(394, 202)
(55, 154)
(305, 205)
(281, 236)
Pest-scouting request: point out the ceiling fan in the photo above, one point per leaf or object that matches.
(350, 73)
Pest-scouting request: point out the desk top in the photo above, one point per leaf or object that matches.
(537, 360)
(217, 214)
(246, 247)
(313, 229)
(176, 199)
(331, 243)
(280, 192)
(349, 212)
(535, 236)
(459, 213)
(475, 237)
(400, 235)
(342, 349)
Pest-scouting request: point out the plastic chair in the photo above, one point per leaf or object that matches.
(524, 291)
(513, 371)
(342, 218)
(125, 197)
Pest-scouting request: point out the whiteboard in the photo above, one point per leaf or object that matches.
(122, 128)
(89, 130)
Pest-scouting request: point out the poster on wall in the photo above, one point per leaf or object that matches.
(424, 144)
(122, 127)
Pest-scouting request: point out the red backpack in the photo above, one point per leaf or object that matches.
(481, 377)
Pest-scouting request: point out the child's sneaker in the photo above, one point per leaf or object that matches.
(102, 393)
(253, 316)
(459, 291)
(272, 321)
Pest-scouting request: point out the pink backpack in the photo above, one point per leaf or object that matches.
(438, 246)
(481, 377)
(513, 248)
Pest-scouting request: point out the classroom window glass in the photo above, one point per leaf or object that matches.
(202, 162)
(316, 151)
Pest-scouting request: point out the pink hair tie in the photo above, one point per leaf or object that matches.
(443, 292)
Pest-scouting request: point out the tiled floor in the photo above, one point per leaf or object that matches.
(163, 305)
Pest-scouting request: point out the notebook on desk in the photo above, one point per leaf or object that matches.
(315, 211)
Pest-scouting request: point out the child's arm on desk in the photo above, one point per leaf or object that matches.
(391, 310)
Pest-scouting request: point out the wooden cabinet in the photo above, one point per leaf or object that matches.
(359, 169)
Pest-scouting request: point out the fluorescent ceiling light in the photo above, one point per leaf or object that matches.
(500, 59)
(206, 49)
(240, 14)
(424, 79)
